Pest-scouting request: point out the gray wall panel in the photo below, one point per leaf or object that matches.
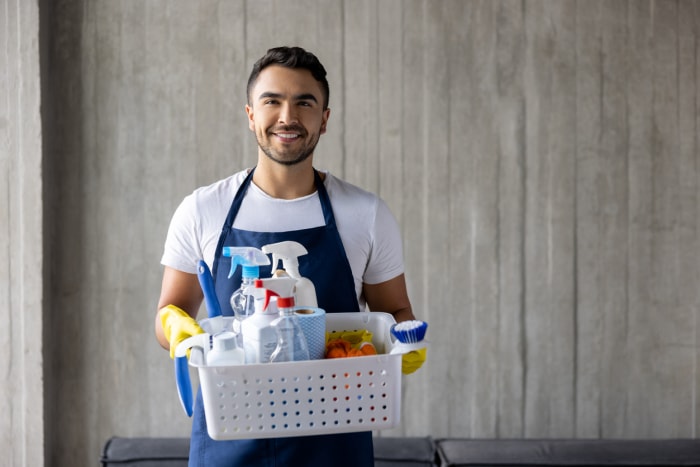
(22, 248)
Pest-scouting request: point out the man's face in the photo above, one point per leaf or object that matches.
(286, 113)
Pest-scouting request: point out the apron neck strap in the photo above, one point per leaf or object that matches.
(323, 197)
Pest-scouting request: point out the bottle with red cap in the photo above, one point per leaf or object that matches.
(291, 342)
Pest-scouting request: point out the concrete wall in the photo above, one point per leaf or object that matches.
(541, 157)
(21, 233)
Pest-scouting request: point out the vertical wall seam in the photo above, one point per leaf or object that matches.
(495, 12)
(694, 379)
(599, 145)
(343, 99)
(628, 311)
(575, 252)
(377, 131)
(523, 244)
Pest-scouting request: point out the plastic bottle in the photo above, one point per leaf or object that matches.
(291, 342)
(250, 259)
(243, 304)
(289, 252)
(259, 338)
(225, 350)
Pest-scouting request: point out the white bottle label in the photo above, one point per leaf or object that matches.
(259, 341)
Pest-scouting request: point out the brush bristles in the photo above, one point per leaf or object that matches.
(409, 332)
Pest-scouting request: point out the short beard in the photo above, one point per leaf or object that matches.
(301, 157)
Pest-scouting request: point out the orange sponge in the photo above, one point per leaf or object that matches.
(340, 348)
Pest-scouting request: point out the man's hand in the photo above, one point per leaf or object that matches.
(177, 326)
(413, 360)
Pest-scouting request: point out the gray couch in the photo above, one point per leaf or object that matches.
(450, 452)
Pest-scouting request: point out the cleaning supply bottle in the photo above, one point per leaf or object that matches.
(259, 338)
(225, 350)
(250, 259)
(291, 342)
(289, 252)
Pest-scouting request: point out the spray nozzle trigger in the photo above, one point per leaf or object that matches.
(248, 257)
(281, 287)
(287, 251)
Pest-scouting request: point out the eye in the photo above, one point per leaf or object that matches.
(271, 102)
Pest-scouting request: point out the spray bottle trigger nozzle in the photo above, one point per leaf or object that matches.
(245, 256)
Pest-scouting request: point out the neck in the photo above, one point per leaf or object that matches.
(282, 181)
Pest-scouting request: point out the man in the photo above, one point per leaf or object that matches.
(354, 245)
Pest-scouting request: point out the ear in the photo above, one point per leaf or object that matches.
(324, 120)
(251, 121)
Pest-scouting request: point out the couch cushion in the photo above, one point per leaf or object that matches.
(146, 452)
(531, 452)
(173, 452)
(404, 452)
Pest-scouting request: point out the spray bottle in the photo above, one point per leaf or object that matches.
(289, 252)
(291, 342)
(242, 304)
(259, 338)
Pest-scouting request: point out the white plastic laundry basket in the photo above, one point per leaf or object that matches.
(306, 398)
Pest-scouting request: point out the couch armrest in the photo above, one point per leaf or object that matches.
(568, 452)
(146, 452)
(404, 452)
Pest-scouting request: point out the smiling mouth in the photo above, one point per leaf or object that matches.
(288, 133)
(287, 136)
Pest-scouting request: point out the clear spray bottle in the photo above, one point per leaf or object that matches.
(291, 342)
(242, 302)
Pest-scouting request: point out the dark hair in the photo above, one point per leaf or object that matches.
(290, 57)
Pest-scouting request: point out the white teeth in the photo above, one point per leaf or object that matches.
(288, 135)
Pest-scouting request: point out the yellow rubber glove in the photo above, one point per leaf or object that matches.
(177, 326)
(413, 360)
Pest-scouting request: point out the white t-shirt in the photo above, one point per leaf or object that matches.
(369, 232)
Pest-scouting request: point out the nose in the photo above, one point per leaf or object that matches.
(287, 114)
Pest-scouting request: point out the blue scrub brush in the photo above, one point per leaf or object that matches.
(409, 334)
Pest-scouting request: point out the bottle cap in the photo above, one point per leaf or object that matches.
(224, 341)
(250, 272)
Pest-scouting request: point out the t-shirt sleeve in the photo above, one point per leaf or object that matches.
(182, 251)
(386, 256)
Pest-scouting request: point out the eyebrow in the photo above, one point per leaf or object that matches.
(298, 97)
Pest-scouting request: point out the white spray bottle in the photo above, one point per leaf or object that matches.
(289, 252)
(259, 338)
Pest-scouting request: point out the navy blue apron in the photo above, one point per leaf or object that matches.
(327, 266)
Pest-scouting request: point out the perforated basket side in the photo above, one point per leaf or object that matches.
(310, 397)
(302, 398)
